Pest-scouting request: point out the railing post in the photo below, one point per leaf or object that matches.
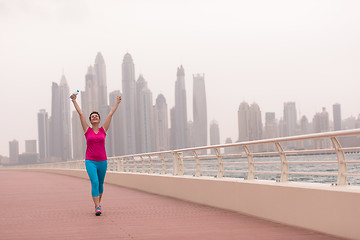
(127, 165)
(163, 166)
(135, 168)
(120, 165)
(109, 165)
(251, 172)
(151, 165)
(177, 163)
(220, 164)
(342, 169)
(198, 169)
(284, 164)
(143, 170)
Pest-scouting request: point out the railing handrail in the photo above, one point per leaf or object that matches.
(342, 133)
(149, 163)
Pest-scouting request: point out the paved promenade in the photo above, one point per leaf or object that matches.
(49, 206)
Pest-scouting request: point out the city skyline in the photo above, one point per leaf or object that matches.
(260, 52)
(151, 120)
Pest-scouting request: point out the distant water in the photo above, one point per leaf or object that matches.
(307, 167)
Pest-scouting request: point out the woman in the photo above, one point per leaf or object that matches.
(96, 159)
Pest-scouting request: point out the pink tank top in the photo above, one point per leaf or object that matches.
(95, 145)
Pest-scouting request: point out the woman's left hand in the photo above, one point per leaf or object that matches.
(118, 99)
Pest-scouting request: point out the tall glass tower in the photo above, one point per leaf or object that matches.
(290, 119)
(180, 110)
(43, 134)
(199, 111)
(129, 102)
(60, 137)
(244, 122)
(161, 124)
(100, 72)
(337, 116)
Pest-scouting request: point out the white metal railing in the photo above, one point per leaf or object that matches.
(272, 159)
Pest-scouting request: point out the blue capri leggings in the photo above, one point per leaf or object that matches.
(96, 171)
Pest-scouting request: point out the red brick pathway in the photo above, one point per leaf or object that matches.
(49, 206)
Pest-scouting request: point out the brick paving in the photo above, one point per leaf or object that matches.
(38, 205)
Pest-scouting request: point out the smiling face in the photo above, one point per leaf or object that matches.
(94, 118)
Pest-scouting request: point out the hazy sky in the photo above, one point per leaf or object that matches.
(267, 52)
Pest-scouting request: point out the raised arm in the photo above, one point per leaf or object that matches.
(111, 113)
(84, 124)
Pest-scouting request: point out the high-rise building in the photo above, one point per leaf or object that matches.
(199, 111)
(190, 134)
(90, 97)
(230, 150)
(172, 129)
(321, 124)
(145, 117)
(13, 152)
(270, 130)
(60, 128)
(304, 125)
(43, 135)
(270, 125)
(161, 124)
(304, 129)
(78, 137)
(117, 137)
(244, 122)
(129, 102)
(100, 72)
(30, 146)
(337, 116)
(140, 84)
(255, 122)
(290, 118)
(214, 133)
(321, 121)
(104, 112)
(180, 110)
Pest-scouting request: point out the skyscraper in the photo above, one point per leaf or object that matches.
(104, 112)
(100, 72)
(270, 129)
(244, 122)
(190, 134)
(117, 137)
(337, 116)
(90, 97)
(60, 140)
(304, 129)
(140, 84)
(14, 152)
(321, 121)
(43, 135)
(161, 124)
(290, 119)
(321, 124)
(129, 102)
(270, 125)
(30, 146)
(214, 134)
(255, 122)
(145, 117)
(199, 111)
(78, 138)
(180, 110)
(172, 129)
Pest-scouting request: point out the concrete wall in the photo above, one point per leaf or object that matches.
(328, 209)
